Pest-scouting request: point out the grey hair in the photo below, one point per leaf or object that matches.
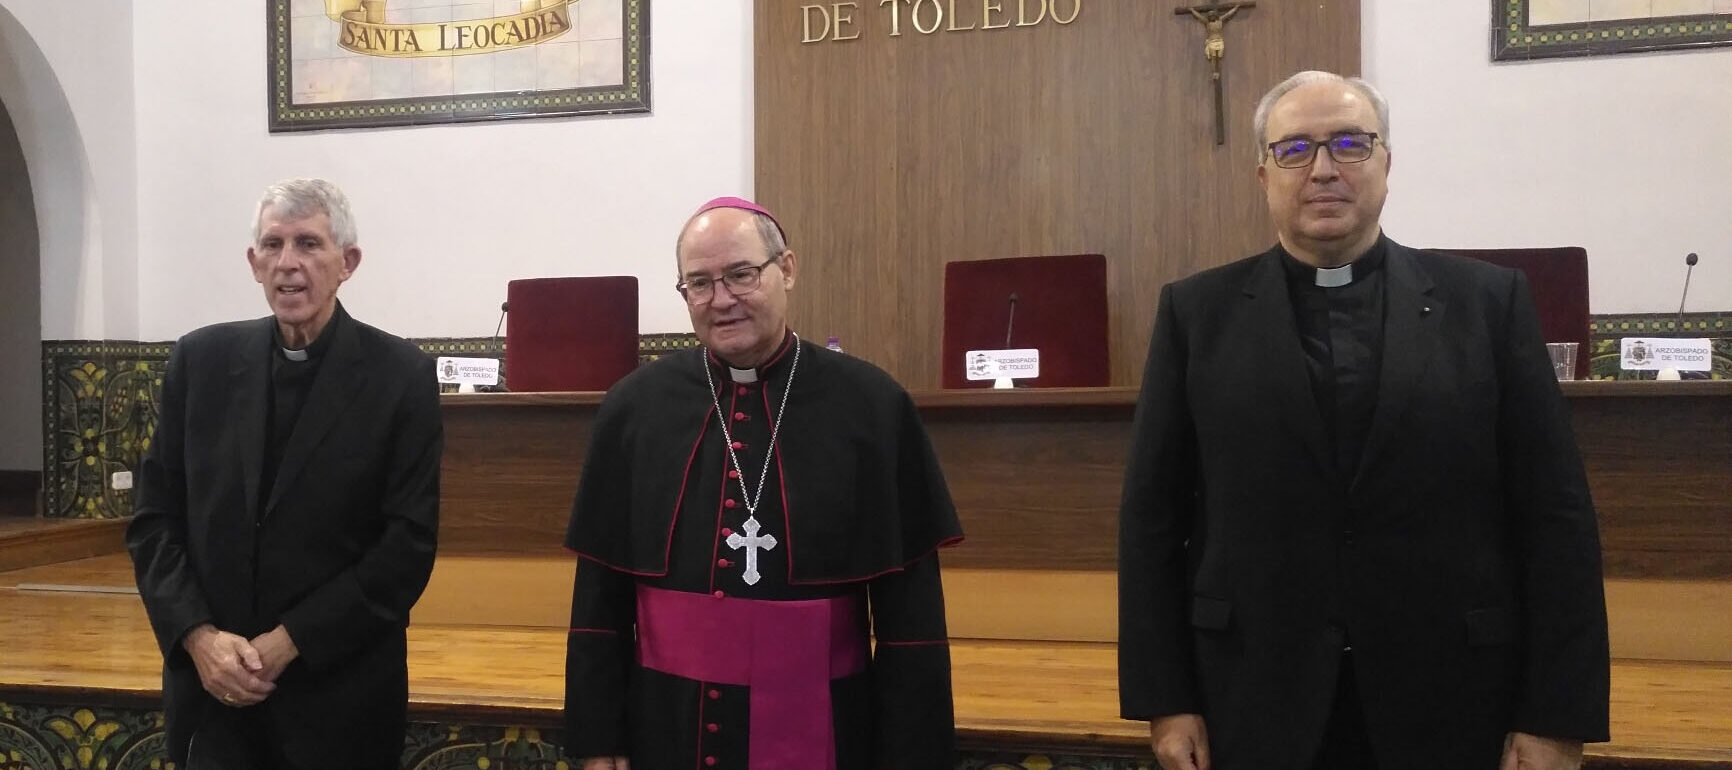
(302, 198)
(1260, 123)
(768, 232)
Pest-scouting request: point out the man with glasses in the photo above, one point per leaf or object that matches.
(752, 514)
(1355, 532)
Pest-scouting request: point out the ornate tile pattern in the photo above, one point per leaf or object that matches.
(99, 412)
(72, 737)
(99, 415)
(1605, 331)
(1537, 29)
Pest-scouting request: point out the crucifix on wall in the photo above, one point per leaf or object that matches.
(1214, 18)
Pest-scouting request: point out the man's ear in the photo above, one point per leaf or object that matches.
(790, 268)
(351, 260)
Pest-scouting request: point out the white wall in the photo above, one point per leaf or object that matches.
(144, 184)
(447, 214)
(20, 311)
(1625, 155)
(64, 74)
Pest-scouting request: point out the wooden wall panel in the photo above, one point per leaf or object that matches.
(887, 157)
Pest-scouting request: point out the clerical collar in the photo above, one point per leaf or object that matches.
(318, 346)
(1333, 277)
(752, 376)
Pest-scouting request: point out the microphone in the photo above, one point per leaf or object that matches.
(1690, 267)
(1009, 325)
(504, 307)
(1669, 373)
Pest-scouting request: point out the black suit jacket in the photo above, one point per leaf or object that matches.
(337, 551)
(1461, 559)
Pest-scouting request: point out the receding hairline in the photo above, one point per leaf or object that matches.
(1345, 87)
(769, 233)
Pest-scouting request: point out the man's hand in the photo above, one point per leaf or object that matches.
(607, 763)
(1522, 751)
(276, 651)
(1180, 742)
(228, 666)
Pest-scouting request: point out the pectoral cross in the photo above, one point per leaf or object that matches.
(1214, 18)
(751, 542)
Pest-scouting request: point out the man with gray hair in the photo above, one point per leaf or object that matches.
(287, 513)
(1356, 531)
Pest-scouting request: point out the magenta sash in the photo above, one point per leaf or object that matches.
(787, 652)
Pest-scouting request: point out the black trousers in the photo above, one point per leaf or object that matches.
(1346, 743)
(241, 739)
(233, 739)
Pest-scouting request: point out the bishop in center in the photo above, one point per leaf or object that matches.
(757, 527)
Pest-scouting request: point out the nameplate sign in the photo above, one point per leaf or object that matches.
(1020, 364)
(468, 371)
(837, 22)
(1656, 353)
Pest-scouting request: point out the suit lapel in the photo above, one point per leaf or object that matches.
(339, 379)
(249, 375)
(1412, 318)
(1276, 336)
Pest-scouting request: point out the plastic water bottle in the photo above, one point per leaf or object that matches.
(834, 343)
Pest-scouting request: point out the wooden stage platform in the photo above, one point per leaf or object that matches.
(66, 639)
(1033, 625)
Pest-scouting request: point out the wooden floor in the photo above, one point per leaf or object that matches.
(1015, 695)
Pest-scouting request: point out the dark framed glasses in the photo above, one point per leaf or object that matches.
(740, 280)
(1342, 148)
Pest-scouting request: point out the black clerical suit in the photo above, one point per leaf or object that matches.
(1455, 552)
(858, 507)
(300, 493)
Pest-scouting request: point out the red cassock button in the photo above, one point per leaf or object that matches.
(739, 416)
(712, 727)
(728, 503)
(715, 695)
(743, 390)
(739, 445)
(718, 594)
(733, 474)
(726, 532)
(709, 761)
(724, 563)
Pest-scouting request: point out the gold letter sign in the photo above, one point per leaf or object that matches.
(366, 32)
(932, 16)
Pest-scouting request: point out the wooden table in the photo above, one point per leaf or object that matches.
(1033, 467)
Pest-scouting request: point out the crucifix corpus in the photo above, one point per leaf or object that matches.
(1214, 18)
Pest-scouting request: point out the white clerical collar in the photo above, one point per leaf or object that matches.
(1334, 277)
(294, 355)
(743, 376)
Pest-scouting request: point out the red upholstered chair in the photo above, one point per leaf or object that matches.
(1558, 278)
(1061, 309)
(564, 334)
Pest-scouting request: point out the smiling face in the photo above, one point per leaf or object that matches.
(300, 266)
(743, 329)
(1325, 214)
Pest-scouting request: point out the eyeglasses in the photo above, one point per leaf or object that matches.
(740, 280)
(1343, 148)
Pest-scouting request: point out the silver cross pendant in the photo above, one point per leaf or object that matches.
(751, 542)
